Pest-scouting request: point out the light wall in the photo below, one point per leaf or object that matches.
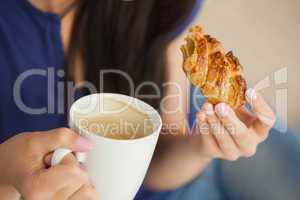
(265, 35)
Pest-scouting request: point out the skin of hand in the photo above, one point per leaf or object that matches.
(8, 192)
(180, 158)
(224, 133)
(220, 132)
(86, 191)
(25, 166)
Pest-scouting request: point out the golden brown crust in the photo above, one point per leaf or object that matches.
(218, 75)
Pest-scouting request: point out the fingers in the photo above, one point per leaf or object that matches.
(246, 139)
(47, 159)
(237, 132)
(58, 182)
(70, 159)
(63, 138)
(265, 115)
(68, 189)
(223, 138)
(202, 125)
(206, 142)
(87, 192)
(245, 115)
(64, 175)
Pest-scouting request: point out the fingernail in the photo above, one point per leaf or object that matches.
(251, 95)
(209, 110)
(84, 144)
(201, 116)
(222, 109)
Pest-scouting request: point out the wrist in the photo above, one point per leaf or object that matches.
(4, 175)
(2, 178)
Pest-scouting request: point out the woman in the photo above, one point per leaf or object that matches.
(47, 43)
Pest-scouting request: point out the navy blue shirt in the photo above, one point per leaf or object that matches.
(30, 42)
(32, 56)
(31, 64)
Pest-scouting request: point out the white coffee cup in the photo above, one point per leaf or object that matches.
(116, 167)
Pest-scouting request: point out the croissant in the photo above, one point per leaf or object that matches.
(217, 74)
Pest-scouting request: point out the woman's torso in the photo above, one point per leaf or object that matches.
(32, 63)
(32, 68)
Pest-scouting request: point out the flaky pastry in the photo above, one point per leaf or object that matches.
(219, 75)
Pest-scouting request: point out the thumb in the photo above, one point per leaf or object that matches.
(261, 109)
(64, 138)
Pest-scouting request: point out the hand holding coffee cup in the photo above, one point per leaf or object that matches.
(124, 131)
(23, 166)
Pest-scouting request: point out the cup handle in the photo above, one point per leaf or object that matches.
(60, 154)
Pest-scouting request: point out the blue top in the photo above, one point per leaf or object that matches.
(32, 59)
(30, 42)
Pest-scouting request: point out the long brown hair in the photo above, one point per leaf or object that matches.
(126, 35)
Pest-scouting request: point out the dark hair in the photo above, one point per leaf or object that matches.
(130, 36)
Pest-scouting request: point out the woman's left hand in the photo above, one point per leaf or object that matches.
(228, 134)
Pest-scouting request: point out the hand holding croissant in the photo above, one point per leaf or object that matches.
(224, 127)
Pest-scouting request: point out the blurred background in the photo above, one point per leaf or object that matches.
(264, 34)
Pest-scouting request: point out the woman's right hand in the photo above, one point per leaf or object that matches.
(228, 134)
(23, 165)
